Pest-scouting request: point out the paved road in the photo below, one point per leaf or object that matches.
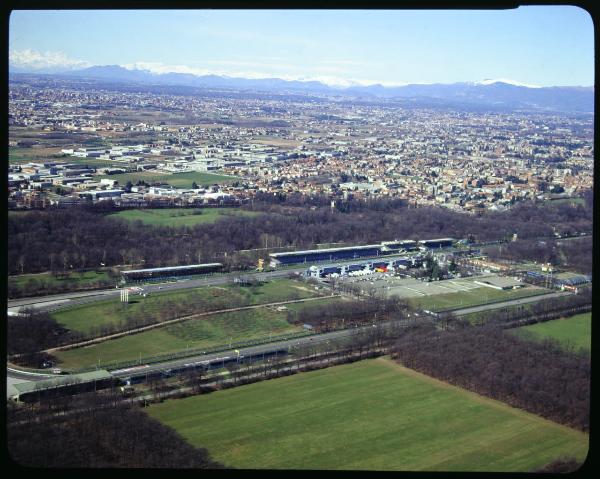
(53, 302)
(513, 302)
(192, 361)
(16, 376)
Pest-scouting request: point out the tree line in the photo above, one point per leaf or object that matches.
(95, 434)
(541, 378)
(348, 314)
(574, 254)
(541, 310)
(85, 237)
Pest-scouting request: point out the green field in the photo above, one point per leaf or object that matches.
(178, 180)
(210, 331)
(574, 331)
(25, 155)
(175, 217)
(371, 415)
(99, 313)
(474, 297)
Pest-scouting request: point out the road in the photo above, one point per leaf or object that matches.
(512, 302)
(15, 375)
(58, 301)
(224, 356)
(53, 302)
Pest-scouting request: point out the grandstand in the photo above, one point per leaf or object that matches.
(345, 253)
(437, 243)
(169, 272)
(329, 254)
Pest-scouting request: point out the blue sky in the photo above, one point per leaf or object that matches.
(550, 45)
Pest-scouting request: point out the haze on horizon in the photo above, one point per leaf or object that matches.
(537, 45)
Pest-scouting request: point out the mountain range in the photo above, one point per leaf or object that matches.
(486, 93)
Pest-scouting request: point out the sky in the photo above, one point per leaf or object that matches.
(536, 45)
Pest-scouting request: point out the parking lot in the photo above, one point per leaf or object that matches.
(406, 287)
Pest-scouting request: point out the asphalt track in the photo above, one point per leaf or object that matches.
(512, 302)
(224, 356)
(58, 301)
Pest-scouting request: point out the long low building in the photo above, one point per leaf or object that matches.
(326, 254)
(350, 252)
(66, 384)
(437, 243)
(170, 271)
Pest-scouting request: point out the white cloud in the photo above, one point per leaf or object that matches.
(29, 59)
(35, 60)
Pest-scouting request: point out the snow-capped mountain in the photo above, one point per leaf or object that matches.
(488, 93)
(504, 80)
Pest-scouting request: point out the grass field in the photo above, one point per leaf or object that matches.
(208, 331)
(83, 318)
(175, 217)
(574, 331)
(474, 297)
(25, 155)
(213, 330)
(371, 415)
(178, 180)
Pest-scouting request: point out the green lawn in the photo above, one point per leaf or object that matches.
(178, 180)
(574, 331)
(210, 331)
(25, 155)
(371, 415)
(207, 298)
(175, 217)
(474, 297)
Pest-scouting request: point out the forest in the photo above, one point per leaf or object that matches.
(99, 435)
(542, 310)
(572, 254)
(82, 238)
(541, 378)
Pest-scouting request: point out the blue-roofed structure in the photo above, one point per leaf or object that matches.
(437, 243)
(329, 254)
(345, 253)
(170, 272)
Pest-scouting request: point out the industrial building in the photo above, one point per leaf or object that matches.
(155, 274)
(97, 195)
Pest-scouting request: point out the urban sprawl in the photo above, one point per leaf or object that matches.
(465, 161)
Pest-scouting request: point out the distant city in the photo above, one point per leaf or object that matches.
(462, 160)
(334, 240)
